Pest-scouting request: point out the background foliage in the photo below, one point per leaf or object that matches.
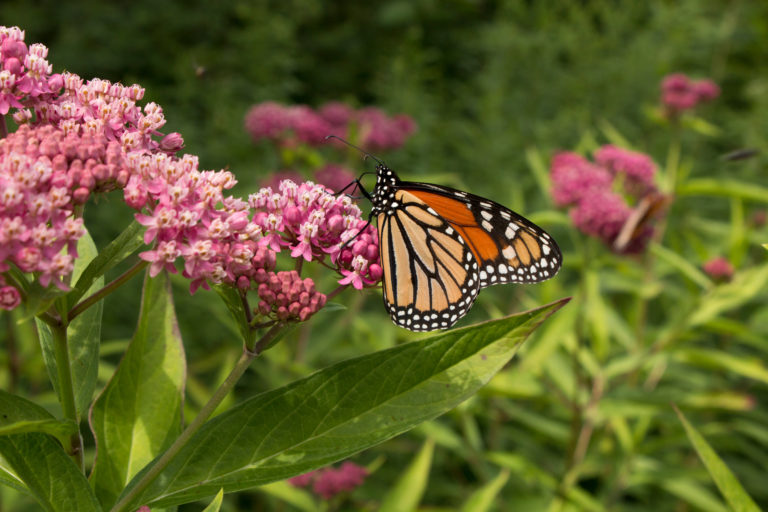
(494, 87)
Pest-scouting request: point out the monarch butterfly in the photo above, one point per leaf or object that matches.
(439, 246)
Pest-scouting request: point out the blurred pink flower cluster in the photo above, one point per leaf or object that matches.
(679, 93)
(719, 269)
(329, 481)
(287, 125)
(598, 193)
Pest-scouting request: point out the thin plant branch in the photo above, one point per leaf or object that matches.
(109, 288)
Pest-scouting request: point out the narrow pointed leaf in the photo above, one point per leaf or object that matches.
(482, 500)
(215, 505)
(338, 411)
(138, 414)
(48, 473)
(729, 486)
(409, 489)
(83, 338)
(294, 496)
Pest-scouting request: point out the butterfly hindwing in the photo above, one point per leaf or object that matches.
(430, 273)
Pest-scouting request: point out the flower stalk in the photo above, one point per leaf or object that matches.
(74, 443)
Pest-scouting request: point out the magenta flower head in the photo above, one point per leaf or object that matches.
(329, 481)
(636, 169)
(307, 125)
(338, 116)
(600, 195)
(679, 93)
(267, 120)
(334, 177)
(719, 269)
(573, 177)
(380, 132)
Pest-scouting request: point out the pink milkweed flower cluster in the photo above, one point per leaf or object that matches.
(313, 223)
(598, 192)
(45, 173)
(679, 93)
(329, 482)
(719, 269)
(287, 125)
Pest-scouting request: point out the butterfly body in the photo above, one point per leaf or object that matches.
(439, 246)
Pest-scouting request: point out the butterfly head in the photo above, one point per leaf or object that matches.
(384, 191)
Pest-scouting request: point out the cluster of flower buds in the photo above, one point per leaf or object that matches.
(598, 193)
(289, 124)
(679, 93)
(329, 482)
(288, 297)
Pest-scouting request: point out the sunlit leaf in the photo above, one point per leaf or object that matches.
(339, 411)
(138, 414)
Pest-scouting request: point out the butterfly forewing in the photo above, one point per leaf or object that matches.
(430, 273)
(507, 247)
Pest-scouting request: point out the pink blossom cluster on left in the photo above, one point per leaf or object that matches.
(81, 137)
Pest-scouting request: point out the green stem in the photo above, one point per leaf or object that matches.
(67, 391)
(673, 160)
(3, 128)
(205, 413)
(109, 288)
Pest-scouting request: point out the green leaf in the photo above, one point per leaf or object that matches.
(339, 411)
(694, 493)
(744, 287)
(215, 505)
(723, 188)
(409, 489)
(114, 253)
(729, 486)
(483, 499)
(231, 298)
(138, 415)
(48, 473)
(19, 415)
(684, 266)
(83, 338)
(752, 368)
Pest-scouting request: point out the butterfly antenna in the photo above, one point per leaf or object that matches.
(355, 147)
